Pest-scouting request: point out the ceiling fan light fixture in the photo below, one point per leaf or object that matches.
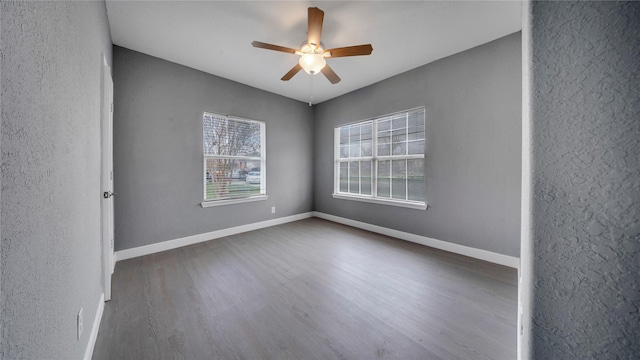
(312, 63)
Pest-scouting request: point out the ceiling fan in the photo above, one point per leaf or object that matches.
(312, 52)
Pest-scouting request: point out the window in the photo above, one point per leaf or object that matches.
(381, 160)
(234, 160)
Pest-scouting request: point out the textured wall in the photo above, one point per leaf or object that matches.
(473, 123)
(50, 148)
(158, 150)
(1, 117)
(586, 180)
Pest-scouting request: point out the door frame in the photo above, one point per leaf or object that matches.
(106, 176)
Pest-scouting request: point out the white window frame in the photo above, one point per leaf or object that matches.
(374, 158)
(262, 160)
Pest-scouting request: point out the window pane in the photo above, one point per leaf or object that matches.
(399, 136)
(365, 148)
(398, 182)
(384, 124)
(344, 177)
(412, 123)
(344, 151)
(366, 141)
(399, 145)
(365, 130)
(229, 179)
(354, 140)
(231, 137)
(384, 143)
(416, 147)
(416, 132)
(415, 180)
(354, 177)
(384, 181)
(354, 150)
(384, 137)
(344, 135)
(365, 177)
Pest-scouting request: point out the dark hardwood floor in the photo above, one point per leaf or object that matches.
(310, 289)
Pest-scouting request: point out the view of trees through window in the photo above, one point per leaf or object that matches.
(233, 157)
(383, 157)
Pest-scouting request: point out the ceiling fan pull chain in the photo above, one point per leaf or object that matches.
(310, 89)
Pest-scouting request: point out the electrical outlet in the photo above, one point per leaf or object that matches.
(80, 323)
(273, 209)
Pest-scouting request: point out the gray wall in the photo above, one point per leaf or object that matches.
(158, 150)
(585, 114)
(50, 146)
(473, 124)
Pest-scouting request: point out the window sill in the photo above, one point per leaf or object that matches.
(407, 204)
(211, 203)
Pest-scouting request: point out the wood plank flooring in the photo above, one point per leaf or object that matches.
(310, 289)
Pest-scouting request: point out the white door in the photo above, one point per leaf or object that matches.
(107, 177)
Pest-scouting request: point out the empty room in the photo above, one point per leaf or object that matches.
(320, 180)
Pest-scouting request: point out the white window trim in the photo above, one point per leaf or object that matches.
(419, 205)
(374, 158)
(263, 176)
(212, 203)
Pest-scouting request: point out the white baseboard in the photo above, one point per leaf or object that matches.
(94, 329)
(194, 239)
(485, 255)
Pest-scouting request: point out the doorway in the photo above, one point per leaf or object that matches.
(107, 176)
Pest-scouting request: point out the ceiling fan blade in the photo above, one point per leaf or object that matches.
(356, 50)
(330, 74)
(316, 16)
(291, 72)
(262, 45)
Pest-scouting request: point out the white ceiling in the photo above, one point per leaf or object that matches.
(215, 37)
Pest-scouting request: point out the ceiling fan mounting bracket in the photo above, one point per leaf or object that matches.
(306, 48)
